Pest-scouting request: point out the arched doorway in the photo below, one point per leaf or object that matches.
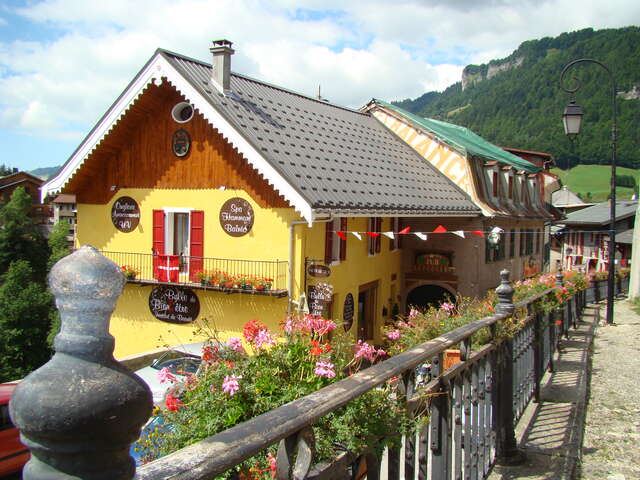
(426, 295)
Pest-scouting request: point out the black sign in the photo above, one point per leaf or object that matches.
(320, 298)
(125, 214)
(181, 143)
(236, 217)
(316, 270)
(174, 304)
(347, 312)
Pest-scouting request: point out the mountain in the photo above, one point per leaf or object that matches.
(45, 172)
(517, 101)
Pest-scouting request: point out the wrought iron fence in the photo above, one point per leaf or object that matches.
(472, 407)
(597, 290)
(226, 274)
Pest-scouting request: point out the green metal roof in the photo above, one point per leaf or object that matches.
(464, 140)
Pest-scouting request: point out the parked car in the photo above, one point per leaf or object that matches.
(13, 454)
(146, 447)
(179, 360)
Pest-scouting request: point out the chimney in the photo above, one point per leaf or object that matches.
(221, 75)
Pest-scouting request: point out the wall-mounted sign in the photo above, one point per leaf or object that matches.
(320, 298)
(125, 214)
(181, 142)
(347, 312)
(174, 304)
(236, 217)
(317, 270)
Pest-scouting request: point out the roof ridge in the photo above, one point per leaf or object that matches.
(262, 82)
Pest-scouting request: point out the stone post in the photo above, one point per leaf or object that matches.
(507, 452)
(80, 412)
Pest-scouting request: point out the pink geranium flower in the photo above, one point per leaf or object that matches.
(393, 334)
(231, 384)
(324, 369)
(164, 375)
(235, 344)
(264, 339)
(364, 350)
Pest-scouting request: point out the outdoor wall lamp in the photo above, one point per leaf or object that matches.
(572, 119)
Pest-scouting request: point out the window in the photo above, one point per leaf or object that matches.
(494, 184)
(374, 243)
(538, 240)
(529, 243)
(394, 244)
(178, 233)
(510, 187)
(335, 248)
(512, 243)
(498, 253)
(522, 242)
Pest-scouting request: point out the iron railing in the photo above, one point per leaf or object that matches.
(224, 274)
(597, 290)
(472, 407)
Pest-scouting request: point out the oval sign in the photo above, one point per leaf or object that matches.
(236, 217)
(347, 312)
(174, 304)
(125, 214)
(181, 142)
(317, 270)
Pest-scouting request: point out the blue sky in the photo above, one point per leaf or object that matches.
(63, 62)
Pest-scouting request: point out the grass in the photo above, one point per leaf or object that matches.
(596, 180)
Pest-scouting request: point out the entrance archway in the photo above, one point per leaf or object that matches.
(426, 295)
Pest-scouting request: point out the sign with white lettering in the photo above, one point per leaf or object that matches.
(317, 270)
(347, 312)
(125, 214)
(320, 298)
(236, 217)
(174, 304)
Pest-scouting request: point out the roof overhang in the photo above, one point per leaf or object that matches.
(157, 68)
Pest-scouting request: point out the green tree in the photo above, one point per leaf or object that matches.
(59, 248)
(24, 320)
(20, 238)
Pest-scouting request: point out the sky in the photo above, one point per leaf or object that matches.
(64, 62)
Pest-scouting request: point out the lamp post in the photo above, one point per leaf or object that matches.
(572, 120)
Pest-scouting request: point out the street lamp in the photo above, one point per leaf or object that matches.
(572, 120)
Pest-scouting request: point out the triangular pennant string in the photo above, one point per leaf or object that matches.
(373, 234)
(440, 229)
(389, 234)
(459, 233)
(478, 232)
(404, 231)
(341, 235)
(357, 235)
(420, 235)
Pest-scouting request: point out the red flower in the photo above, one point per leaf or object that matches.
(210, 354)
(251, 330)
(173, 403)
(318, 349)
(558, 322)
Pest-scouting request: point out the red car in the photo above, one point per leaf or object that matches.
(13, 454)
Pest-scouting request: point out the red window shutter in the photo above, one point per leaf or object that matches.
(343, 243)
(328, 242)
(196, 244)
(378, 229)
(157, 240)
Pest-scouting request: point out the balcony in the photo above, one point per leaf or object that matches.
(254, 277)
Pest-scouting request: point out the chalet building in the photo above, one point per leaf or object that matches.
(508, 190)
(584, 236)
(40, 212)
(225, 199)
(64, 209)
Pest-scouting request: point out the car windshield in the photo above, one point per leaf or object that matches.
(178, 366)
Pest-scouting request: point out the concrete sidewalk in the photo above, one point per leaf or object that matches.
(587, 425)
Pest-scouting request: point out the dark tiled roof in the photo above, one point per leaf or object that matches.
(340, 160)
(625, 237)
(599, 214)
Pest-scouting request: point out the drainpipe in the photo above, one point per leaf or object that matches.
(292, 255)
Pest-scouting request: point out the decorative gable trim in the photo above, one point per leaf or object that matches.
(155, 70)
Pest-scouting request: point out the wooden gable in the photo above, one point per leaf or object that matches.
(137, 153)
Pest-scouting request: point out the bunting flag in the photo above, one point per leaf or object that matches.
(357, 235)
(420, 235)
(440, 229)
(373, 234)
(341, 235)
(389, 234)
(404, 231)
(459, 233)
(478, 232)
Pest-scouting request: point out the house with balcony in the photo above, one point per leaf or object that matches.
(40, 211)
(225, 198)
(508, 189)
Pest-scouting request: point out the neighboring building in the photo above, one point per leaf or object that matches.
(197, 171)
(506, 188)
(567, 202)
(584, 236)
(64, 208)
(40, 212)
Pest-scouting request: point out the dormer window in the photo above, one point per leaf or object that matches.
(510, 187)
(494, 183)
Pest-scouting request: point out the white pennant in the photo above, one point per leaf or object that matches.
(459, 233)
(420, 235)
(388, 234)
(358, 236)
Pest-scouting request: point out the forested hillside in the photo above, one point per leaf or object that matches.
(517, 101)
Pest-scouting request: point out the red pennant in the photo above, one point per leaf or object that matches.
(478, 232)
(404, 231)
(341, 235)
(440, 229)
(373, 234)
